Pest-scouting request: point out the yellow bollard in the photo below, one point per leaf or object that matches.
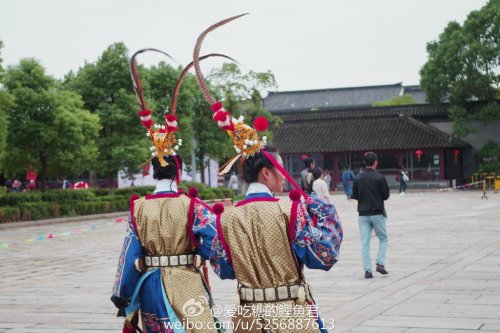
(497, 183)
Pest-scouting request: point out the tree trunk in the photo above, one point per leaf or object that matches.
(93, 179)
(201, 159)
(43, 173)
(111, 181)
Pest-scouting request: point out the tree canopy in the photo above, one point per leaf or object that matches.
(5, 103)
(49, 130)
(463, 65)
(106, 89)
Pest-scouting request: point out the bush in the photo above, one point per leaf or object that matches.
(16, 198)
(67, 195)
(139, 190)
(36, 211)
(98, 192)
(207, 194)
(9, 214)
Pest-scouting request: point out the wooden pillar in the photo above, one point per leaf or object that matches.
(441, 164)
(336, 170)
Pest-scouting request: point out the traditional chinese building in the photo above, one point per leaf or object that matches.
(337, 126)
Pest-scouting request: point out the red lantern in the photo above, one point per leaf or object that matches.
(419, 153)
(455, 153)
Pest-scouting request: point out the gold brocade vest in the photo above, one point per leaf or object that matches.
(162, 228)
(258, 238)
(257, 234)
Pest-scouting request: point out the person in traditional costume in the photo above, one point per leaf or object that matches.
(160, 277)
(264, 242)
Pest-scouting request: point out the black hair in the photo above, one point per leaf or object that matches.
(167, 172)
(370, 158)
(308, 162)
(252, 166)
(317, 172)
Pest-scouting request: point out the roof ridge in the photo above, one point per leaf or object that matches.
(399, 84)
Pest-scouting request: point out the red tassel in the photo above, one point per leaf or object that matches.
(218, 208)
(148, 123)
(144, 113)
(193, 192)
(172, 129)
(220, 115)
(216, 106)
(170, 117)
(260, 123)
(294, 195)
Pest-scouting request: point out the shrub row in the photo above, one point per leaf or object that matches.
(30, 211)
(35, 205)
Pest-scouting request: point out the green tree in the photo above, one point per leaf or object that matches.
(49, 131)
(463, 65)
(107, 91)
(405, 99)
(5, 102)
(488, 157)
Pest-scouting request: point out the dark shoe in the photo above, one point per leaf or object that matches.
(368, 275)
(381, 269)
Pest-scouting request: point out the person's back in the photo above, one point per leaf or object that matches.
(370, 189)
(256, 232)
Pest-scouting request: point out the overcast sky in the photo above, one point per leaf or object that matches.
(309, 44)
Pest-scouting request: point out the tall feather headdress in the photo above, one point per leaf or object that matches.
(245, 138)
(162, 136)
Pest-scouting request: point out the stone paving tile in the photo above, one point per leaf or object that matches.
(426, 322)
(443, 262)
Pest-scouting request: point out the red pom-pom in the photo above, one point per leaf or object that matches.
(218, 208)
(147, 123)
(216, 106)
(144, 113)
(134, 197)
(220, 115)
(193, 192)
(260, 123)
(294, 195)
(170, 117)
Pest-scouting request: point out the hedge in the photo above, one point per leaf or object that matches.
(35, 205)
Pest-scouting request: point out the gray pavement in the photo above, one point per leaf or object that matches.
(443, 262)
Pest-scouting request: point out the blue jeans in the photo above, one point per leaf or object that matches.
(366, 225)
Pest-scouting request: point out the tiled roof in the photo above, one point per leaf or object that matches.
(305, 100)
(417, 111)
(416, 92)
(339, 135)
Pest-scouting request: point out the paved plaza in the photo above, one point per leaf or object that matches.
(443, 262)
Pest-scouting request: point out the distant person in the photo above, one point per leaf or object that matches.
(16, 185)
(319, 185)
(306, 176)
(233, 182)
(371, 190)
(31, 180)
(66, 184)
(347, 179)
(403, 179)
(327, 178)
